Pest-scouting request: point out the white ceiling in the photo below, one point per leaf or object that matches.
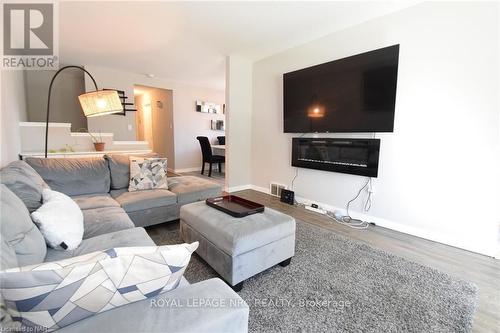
(188, 41)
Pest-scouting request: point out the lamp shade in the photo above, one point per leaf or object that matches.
(100, 103)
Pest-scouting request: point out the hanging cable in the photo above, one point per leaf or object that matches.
(368, 202)
(296, 169)
(296, 174)
(356, 197)
(347, 220)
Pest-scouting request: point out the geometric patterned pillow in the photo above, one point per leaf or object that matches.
(48, 296)
(147, 173)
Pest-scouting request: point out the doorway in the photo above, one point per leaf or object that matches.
(155, 120)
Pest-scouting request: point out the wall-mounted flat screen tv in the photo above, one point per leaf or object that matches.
(354, 94)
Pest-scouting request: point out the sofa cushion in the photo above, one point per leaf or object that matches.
(191, 189)
(25, 182)
(99, 221)
(91, 201)
(156, 315)
(19, 232)
(56, 294)
(122, 238)
(141, 200)
(151, 216)
(74, 176)
(8, 257)
(119, 165)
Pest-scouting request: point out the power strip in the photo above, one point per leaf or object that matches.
(316, 210)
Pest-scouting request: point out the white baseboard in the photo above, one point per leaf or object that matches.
(238, 188)
(187, 170)
(461, 243)
(260, 189)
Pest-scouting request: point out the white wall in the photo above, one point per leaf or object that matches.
(239, 112)
(439, 170)
(13, 110)
(188, 124)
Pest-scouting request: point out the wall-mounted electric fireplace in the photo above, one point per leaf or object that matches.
(353, 156)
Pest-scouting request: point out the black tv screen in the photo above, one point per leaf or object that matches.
(354, 94)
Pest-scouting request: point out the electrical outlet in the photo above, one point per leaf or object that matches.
(317, 210)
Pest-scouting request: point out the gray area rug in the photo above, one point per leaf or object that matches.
(337, 285)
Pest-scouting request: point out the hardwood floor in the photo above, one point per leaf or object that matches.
(217, 176)
(171, 174)
(482, 270)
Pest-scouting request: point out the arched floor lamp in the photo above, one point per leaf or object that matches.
(95, 103)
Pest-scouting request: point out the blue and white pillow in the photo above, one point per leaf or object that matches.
(147, 173)
(52, 295)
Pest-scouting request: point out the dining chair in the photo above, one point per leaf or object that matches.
(222, 140)
(208, 157)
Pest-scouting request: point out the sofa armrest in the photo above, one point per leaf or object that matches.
(207, 306)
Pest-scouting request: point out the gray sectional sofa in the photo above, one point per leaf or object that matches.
(113, 217)
(102, 183)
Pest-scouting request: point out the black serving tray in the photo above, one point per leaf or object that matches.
(235, 206)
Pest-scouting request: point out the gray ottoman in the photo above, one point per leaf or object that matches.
(239, 248)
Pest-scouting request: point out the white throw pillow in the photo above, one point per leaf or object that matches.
(51, 295)
(147, 173)
(60, 220)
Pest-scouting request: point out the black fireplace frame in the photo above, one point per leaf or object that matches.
(369, 169)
